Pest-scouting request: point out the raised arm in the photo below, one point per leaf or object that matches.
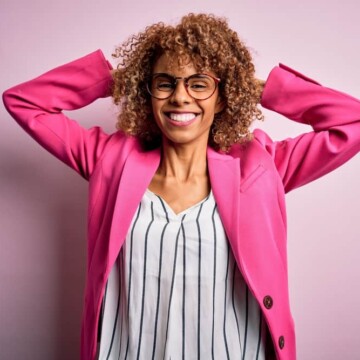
(37, 106)
(333, 115)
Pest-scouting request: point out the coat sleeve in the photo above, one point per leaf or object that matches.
(37, 106)
(333, 115)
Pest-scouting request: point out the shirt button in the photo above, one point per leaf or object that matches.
(268, 302)
(281, 342)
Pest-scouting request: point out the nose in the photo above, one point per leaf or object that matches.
(180, 94)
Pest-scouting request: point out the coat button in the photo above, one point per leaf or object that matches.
(268, 302)
(281, 342)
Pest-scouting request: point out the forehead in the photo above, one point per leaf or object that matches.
(171, 64)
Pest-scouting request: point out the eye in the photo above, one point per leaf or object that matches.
(200, 83)
(163, 83)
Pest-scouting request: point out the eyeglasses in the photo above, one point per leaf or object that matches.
(199, 86)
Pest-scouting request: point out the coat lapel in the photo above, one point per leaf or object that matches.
(138, 171)
(224, 172)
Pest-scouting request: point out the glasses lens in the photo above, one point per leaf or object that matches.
(161, 86)
(201, 86)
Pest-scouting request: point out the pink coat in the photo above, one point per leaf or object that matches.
(248, 183)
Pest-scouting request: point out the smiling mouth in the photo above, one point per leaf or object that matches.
(181, 117)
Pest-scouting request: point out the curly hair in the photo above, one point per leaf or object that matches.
(209, 43)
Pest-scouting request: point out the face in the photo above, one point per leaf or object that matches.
(182, 119)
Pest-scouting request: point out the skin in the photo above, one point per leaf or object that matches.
(182, 177)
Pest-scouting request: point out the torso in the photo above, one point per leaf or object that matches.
(175, 291)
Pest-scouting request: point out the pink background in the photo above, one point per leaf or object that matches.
(43, 203)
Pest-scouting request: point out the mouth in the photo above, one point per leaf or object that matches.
(183, 117)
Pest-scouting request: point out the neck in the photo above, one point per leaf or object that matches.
(183, 162)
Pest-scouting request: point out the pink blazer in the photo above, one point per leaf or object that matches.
(248, 183)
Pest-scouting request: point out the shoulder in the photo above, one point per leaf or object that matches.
(120, 145)
(256, 153)
(260, 143)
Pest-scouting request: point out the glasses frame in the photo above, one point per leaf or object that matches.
(186, 79)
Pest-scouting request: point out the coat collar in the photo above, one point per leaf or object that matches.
(139, 169)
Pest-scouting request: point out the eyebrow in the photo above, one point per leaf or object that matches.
(183, 77)
(177, 77)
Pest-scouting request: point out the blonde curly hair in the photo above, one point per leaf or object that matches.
(209, 43)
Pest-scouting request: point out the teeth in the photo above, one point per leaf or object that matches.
(182, 117)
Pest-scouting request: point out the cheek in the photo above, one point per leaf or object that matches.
(156, 106)
(210, 109)
(156, 111)
(153, 106)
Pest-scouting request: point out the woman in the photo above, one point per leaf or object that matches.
(187, 223)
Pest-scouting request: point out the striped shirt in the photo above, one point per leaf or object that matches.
(175, 291)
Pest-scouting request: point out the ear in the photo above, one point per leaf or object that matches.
(220, 105)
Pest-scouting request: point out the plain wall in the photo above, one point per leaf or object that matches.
(43, 203)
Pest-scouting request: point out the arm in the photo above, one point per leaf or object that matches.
(334, 117)
(37, 106)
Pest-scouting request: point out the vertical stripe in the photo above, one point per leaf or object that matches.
(100, 323)
(130, 270)
(144, 280)
(121, 304)
(226, 283)
(214, 282)
(164, 208)
(259, 340)
(114, 327)
(159, 277)
(172, 284)
(246, 321)
(233, 304)
(199, 282)
(184, 289)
